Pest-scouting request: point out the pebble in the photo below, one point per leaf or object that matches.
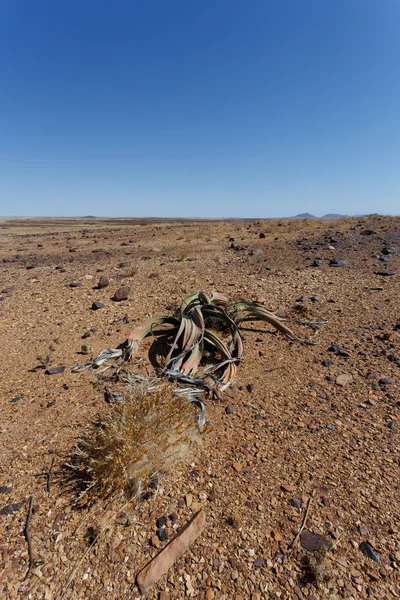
(369, 552)
(97, 305)
(103, 282)
(287, 487)
(189, 500)
(344, 379)
(75, 284)
(259, 562)
(296, 502)
(237, 467)
(11, 508)
(55, 370)
(121, 294)
(229, 409)
(337, 262)
(251, 552)
(313, 541)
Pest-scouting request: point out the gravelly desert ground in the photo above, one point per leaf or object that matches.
(304, 421)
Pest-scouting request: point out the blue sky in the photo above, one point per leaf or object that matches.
(217, 108)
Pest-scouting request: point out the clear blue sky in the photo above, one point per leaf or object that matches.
(216, 108)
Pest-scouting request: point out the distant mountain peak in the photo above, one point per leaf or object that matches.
(305, 216)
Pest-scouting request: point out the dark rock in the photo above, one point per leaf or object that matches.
(97, 305)
(75, 285)
(259, 562)
(55, 370)
(103, 282)
(330, 427)
(86, 335)
(338, 350)
(392, 425)
(8, 290)
(388, 251)
(327, 363)
(316, 298)
(369, 552)
(174, 517)
(162, 534)
(11, 508)
(250, 387)
(337, 262)
(4, 489)
(313, 541)
(235, 246)
(261, 236)
(121, 294)
(29, 267)
(229, 409)
(161, 522)
(154, 275)
(368, 232)
(16, 399)
(385, 273)
(318, 262)
(296, 502)
(385, 381)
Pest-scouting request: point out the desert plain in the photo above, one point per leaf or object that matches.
(305, 427)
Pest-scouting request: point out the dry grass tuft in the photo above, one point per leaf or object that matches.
(318, 566)
(145, 435)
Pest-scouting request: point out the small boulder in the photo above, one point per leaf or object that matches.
(121, 294)
(103, 282)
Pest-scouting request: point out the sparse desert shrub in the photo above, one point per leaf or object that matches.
(141, 437)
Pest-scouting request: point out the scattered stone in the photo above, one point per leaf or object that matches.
(369, 552)
(121, 294)
(315, 298)
(318, 262)
(368, 232)
(237, 467)
(330, 427)
(17, 399)
(296, 502)
(103, 282)
(229, 409)
(11, 508)
(174, 550)
(385, 381)
(261, 236)
(288, 487)
(4, 489)
(188, 500)
(387, 251)
(75, 284)
(161, 522)
(344, 379)
(86, 349)
(55, 370)
(154, 275)
(363, 530)
(162, 534)
(164, 596)
(327, 363)
(250, 388)
(337, 262)
(277, 536)
(155, 542)
(259, 562)
(385, 273)
(338, 350)
(313, 541)
(97, 305)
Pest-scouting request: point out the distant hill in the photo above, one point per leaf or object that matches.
(334, 216)
(304, 216)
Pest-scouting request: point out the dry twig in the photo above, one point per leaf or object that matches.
(28, 536)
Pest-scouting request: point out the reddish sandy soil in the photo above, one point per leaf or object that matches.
(294, 431)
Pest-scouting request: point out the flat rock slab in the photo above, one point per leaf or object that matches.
(160, 564)
(313, 541)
